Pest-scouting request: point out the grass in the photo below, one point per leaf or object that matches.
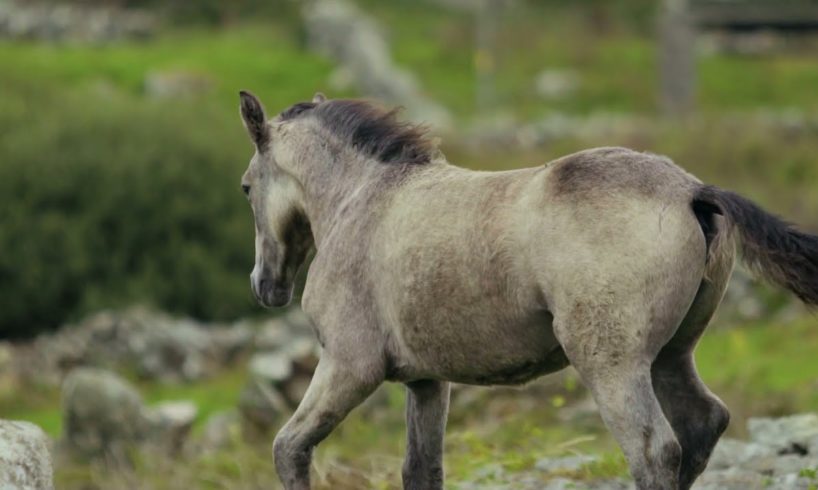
(758, 368)
(494, 434)
(261, 58)
(615, 62)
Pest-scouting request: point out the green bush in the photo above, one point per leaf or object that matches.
(110, 199)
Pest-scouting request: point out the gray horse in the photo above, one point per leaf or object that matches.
(610, 260)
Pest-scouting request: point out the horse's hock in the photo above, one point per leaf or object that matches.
(25, 461)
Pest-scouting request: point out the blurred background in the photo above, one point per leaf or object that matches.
(125, 242)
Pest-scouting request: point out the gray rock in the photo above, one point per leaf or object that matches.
(730, 453)
(171, 423)
(554, 84)
(565, 463)
(273, 335)
(25, 462)
(70, 22)
(174, 84)
(341, 31)
(270, 367)
(103, 415)
(785, 432)
(154, 345)
(729, 479)
(180, 352)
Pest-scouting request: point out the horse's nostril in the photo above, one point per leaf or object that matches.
(246, 189)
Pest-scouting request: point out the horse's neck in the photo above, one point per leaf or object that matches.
(333, 191)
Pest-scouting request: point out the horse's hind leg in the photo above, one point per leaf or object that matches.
(427, 406)
(698, 417)
(632, 413)
(615, 366)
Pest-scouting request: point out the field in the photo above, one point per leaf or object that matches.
(86, 151)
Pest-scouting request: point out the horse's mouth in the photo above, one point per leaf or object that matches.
(270, 295)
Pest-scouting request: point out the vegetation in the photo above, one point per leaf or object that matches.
(758, 369)
(86, 153)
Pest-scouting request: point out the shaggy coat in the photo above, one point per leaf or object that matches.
(610, 260)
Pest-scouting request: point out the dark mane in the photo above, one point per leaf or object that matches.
(374, 131)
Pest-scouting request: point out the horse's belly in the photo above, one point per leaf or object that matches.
(494, 351)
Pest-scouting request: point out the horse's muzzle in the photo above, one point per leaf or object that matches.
(270, 293)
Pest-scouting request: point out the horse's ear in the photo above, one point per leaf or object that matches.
(318, 98)
(252, 113)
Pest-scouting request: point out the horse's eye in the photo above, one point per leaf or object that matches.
(246, 189)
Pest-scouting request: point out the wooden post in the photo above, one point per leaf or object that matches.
(677, 63)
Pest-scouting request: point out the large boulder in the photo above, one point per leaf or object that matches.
(104, 417)
(154, 345)
(262, 401)
(25, 462)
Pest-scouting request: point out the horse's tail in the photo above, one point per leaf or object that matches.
(770, 246)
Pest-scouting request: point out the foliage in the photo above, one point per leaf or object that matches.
(110, 197)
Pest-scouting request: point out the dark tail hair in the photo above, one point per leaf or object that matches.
(770, 246)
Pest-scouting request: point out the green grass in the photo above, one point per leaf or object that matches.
(615, 61)
(260, 58)
(758, 369)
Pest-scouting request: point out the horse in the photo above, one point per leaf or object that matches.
(425, 273)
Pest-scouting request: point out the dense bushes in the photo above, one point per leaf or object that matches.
(108, 199)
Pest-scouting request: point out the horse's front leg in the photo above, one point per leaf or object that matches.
(336, 388)
(427, 406)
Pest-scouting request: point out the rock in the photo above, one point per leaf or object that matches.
(60, 22)
(171, 423)
(273, 335)
(25, 462)
(154, 345)
(341, 31)
(177, 353)
(232, 343)
(270, 368)
(261, 402)
(172, 84)
(104, 418)
(565, 463)
(730, 453)
(729, 479)
(102, 415)
(786, 434)
(554, 84)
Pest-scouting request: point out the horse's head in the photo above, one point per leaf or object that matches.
(283, 236)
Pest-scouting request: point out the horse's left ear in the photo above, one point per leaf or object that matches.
(318, 98)
(252, 113)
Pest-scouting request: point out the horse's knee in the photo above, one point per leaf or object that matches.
(292, 461)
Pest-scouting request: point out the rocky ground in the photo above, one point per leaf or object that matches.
(782, 453)
(99, 362)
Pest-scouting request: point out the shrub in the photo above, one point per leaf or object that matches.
(118, 200)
